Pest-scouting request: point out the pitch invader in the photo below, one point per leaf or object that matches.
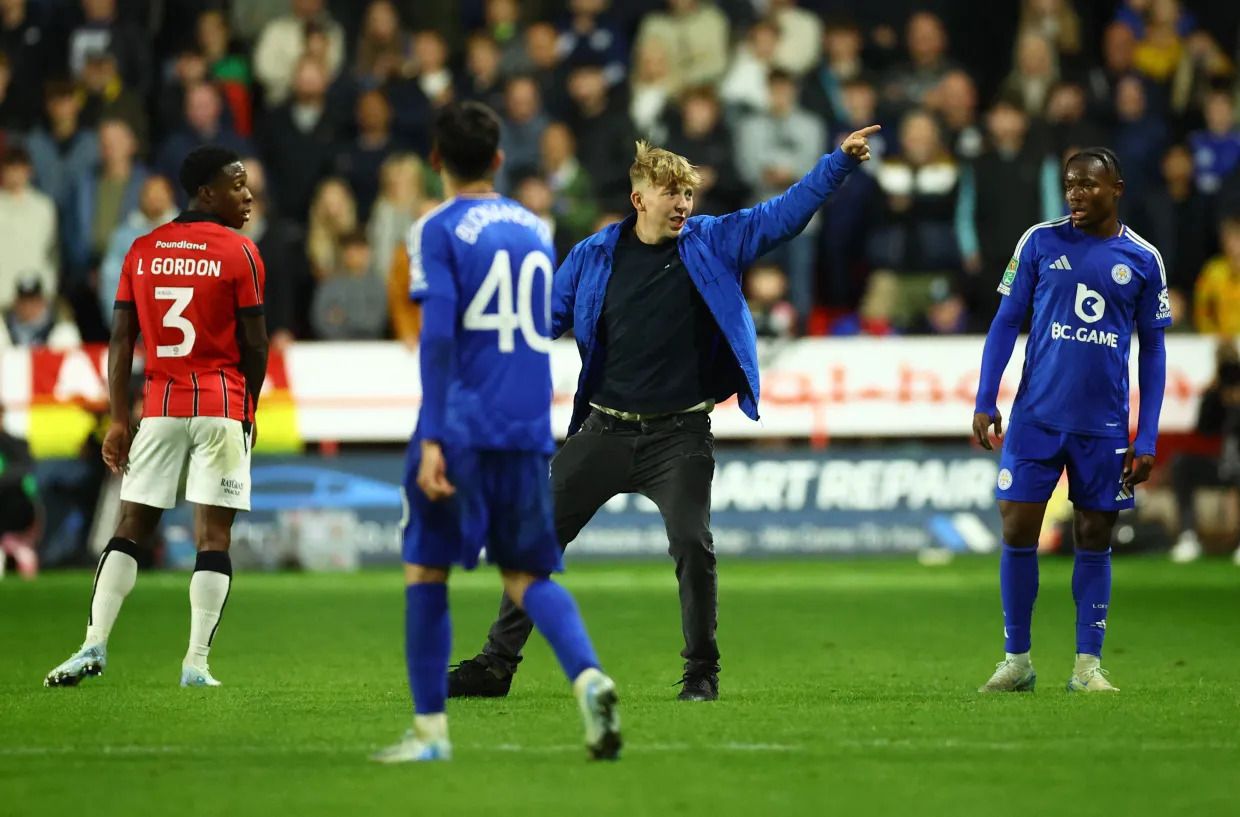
(1089, 280)
(193, 288)
(477, 470)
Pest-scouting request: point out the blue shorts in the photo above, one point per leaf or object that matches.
(502, 503)
(1034, 458)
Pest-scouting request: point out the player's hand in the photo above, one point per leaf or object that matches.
(432, 473)
(250, 429)
(857, 144)
(1136, 469)
(981, 428)
(116, 447)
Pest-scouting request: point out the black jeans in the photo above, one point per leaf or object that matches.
(672, 462)
(1188, 473)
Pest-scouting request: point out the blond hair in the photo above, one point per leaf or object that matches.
(661, 168)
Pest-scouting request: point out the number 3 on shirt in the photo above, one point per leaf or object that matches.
(505, 320)
(174, 319)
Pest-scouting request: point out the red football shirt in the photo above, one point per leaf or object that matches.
(188, 281)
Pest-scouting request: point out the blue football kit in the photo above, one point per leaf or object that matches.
(1087, 295)
(482, 268)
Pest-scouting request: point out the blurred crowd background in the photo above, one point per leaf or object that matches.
(330, 103)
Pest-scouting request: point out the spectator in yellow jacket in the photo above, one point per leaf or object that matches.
(1216, 297)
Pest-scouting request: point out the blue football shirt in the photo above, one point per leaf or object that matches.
(490, 261)
(1087, 295)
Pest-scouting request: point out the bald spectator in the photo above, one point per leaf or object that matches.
(27, 227)
(204, 124)
(300, 140)
(283, 42)
(695, 33)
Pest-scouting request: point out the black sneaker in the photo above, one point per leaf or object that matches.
(473, 678)
(699, 687)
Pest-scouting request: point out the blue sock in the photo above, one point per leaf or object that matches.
(555, 614)
(428, 645)
(1018, 585)
(1091, 589)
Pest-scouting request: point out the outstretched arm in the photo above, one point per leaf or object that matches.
(996, 353)
(750, 233)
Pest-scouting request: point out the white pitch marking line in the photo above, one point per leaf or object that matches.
(142, 751)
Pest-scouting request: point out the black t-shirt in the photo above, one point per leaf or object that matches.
(659, 336)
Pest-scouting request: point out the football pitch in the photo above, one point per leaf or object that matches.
(847, 687)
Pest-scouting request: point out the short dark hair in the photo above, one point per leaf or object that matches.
(1105, 156)
(15, 155)
(780, 75)
(202, 164)
(467, 137)
(353, 238)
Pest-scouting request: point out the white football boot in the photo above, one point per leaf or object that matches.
(596, 695)
(1012, 675)
(426, 741)
(1089, 676)
(197, 677)
(87, 661)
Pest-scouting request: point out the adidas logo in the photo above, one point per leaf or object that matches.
(1124, 493)
(1062, 263)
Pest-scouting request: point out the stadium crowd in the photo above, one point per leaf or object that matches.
(330, 103)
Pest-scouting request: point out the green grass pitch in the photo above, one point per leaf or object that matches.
(848, 687)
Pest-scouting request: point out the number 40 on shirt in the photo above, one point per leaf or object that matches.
(508, 317)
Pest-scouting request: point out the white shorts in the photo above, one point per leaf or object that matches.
(209, 456)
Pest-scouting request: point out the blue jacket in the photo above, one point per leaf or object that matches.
(715, 251)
